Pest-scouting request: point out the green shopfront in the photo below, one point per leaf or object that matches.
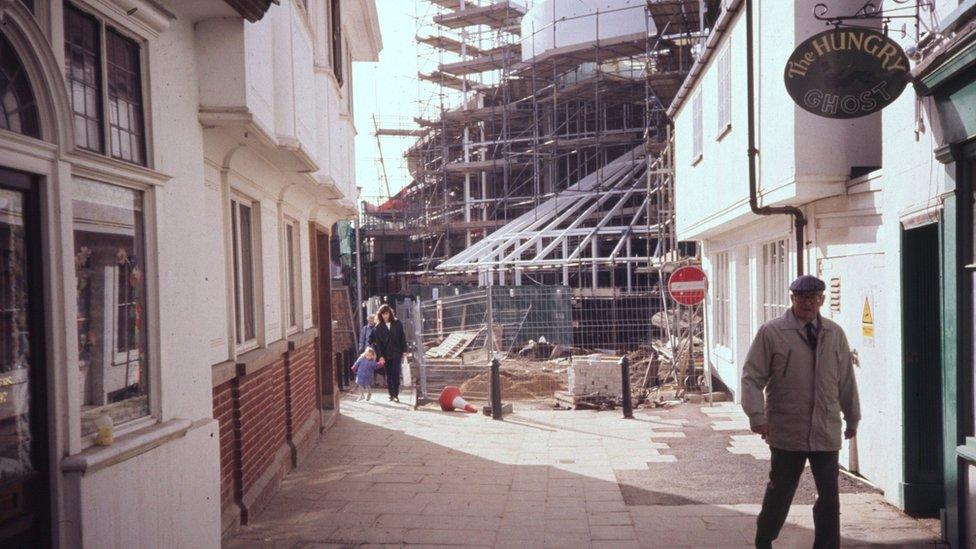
(948, 75)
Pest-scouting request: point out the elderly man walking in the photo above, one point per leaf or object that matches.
(797, 381)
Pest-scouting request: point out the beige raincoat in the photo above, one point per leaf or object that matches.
(799, 397)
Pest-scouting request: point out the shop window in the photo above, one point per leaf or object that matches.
(242, 229)
(90, 61)
(110, 267)
(774, 280)
(18, 110)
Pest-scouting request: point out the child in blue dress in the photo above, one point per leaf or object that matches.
(363, 368)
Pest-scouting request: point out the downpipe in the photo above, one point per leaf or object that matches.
(799, 220)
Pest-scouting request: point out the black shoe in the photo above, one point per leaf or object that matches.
(390, 398)
(396, 399)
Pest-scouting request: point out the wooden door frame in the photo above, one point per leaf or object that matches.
(319, 242)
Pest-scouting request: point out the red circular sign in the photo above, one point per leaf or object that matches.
(687, 285)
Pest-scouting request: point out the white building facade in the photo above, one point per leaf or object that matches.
(870, 191)
(169, 173)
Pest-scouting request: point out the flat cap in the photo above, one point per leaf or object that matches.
(807, 283)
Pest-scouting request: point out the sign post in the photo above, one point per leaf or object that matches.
(688, 286)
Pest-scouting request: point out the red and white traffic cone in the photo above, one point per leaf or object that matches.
(451, 400)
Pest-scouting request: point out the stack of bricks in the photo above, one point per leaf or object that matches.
(594, 375)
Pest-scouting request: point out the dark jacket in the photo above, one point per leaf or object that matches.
(391, 342)
(366, 337)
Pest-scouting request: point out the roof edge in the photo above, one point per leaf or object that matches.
(722, 24)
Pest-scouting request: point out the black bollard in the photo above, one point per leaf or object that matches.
(625, 388)
(496, 389)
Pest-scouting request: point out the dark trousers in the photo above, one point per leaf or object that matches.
(392, 370)
(784, 475)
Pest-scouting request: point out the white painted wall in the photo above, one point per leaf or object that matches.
(854, 229)
(553, 24)
(802, 157)
(205, 57)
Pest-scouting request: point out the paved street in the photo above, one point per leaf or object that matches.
(690, 476)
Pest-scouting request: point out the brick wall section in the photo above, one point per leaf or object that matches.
(262, 421)
(223, 403)
(260, 412)
(302, 368)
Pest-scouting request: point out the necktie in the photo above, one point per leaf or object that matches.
(811, 336)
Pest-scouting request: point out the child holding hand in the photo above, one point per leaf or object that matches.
(363, 368)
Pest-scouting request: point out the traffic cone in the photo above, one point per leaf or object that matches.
(451, 400)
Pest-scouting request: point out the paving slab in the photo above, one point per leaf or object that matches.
(689, 476)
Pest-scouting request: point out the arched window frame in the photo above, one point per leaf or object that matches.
(26, 106)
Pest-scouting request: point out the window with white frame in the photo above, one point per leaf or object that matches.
(349, 98)
(242, 234)
(696, 121)
(723, 309)
(774, 279)
(104, 75)
(335, 32)
(724, 91)
(292, 279)
(110, 270)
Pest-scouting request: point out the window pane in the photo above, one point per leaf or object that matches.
(111, 274)
(237, 272)
(15, 336)
(244, 258)
(125, 98)
(18, 112)
(81, 52)
(290, 242)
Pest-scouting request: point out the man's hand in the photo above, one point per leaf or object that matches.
(850, 433)
(761, 430)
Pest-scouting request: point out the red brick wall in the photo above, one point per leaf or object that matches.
(262, 420)
(223, 403)
(258, 414)
(302, 374)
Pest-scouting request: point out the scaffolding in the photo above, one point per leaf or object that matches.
(546, 161)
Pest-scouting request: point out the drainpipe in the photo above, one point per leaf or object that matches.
(799, 221)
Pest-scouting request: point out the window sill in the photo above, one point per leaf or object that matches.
(968, 450)
(723, 132)
(301, 339)
(126, 447)
(254, 361)
(110, 170)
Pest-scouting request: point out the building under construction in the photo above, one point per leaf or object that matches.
(543, 156)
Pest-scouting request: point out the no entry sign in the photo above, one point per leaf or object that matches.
(687, 285)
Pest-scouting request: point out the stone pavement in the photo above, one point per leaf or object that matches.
(684, 477)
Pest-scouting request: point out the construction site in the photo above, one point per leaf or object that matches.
(537, 226)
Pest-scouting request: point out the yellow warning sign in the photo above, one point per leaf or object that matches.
(867, 320)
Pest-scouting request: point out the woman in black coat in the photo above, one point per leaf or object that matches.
(391, 343)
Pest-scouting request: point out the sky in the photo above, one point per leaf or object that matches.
(390, 90)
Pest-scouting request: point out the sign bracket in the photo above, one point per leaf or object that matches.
(873, 10)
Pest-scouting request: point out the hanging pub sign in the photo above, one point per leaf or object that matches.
(846, 72)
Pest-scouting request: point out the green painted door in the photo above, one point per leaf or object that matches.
(922, 370)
